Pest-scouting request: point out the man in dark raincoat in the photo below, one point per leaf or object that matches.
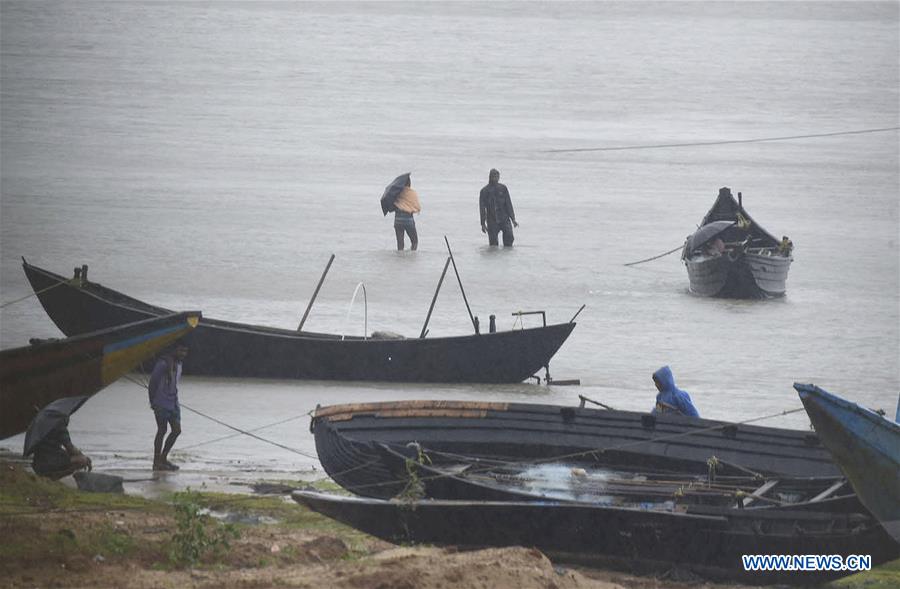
(670, 398)
(496, 210)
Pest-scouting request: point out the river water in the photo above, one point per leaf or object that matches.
(212, 155)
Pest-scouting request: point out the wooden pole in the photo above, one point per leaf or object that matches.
(315, 294)
(459, 280)
(434, 299)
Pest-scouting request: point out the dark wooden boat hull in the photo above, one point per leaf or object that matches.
(33, 376)
(710, 544)
(222, 348)
(865, 445)
(749, 276)
(345, 435)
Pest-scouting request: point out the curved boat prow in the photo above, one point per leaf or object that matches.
(865, 445)
(35, 375)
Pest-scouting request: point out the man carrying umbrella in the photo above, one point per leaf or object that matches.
(404, 201)
(48, 438)
(496, 210)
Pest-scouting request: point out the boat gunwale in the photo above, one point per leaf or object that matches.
(125, 328)
(849, 406)
(541, 411)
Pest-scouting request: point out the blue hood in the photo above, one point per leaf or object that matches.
(666, 378)
(672, 396)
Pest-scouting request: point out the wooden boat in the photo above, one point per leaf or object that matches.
(706, 540)
(752, 263)
(345, 436)
(223, 348)
(436, 475)
(33, 376)
(865, 445)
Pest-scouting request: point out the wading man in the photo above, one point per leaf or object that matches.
(496, 210)
(163, 392)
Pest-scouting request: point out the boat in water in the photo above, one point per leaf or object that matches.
(225, 348)
(732, 256)
(35, 375)
(865, 445)
(707, 540)
(347, 436)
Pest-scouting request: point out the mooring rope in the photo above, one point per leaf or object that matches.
(655, 257)
(248, 433)
(724, 142)
(256, 429)
(36, 293)
(237, 429)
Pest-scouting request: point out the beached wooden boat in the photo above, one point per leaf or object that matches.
(706, 540)
(750, 262)
(865, 445)
(345, 436)
(223, 348)
(33, 376)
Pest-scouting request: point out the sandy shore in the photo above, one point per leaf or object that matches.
(56, 536)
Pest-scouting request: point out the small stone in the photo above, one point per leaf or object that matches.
(275, 549)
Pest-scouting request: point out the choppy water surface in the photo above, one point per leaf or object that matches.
(212, 156)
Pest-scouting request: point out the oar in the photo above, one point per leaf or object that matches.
(315, 294)
(461, 289)
(434, 299)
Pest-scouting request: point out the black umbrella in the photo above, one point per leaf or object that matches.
(392, 191)
(49, 418)
(706, 233)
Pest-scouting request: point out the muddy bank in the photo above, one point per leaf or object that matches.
(56, 536)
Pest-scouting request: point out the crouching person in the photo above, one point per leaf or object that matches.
(56, 457)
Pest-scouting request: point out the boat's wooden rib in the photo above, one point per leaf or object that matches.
(223, 348)
(437, 476)
(33, 376)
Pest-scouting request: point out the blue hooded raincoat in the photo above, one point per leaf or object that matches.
(672, 395)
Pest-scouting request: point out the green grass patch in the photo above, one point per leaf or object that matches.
(111, 542)
(886, 576)
(288, 513)
(34, 544)
(23, 492)
(328, 486)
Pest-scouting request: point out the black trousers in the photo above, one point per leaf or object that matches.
(506, 227)
(409, 229)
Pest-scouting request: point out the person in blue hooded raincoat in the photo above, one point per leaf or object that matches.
(670, 397)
